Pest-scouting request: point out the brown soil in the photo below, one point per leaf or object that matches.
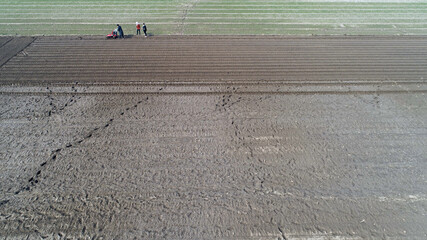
(225, 137)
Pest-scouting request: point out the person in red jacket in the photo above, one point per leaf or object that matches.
(138, 28)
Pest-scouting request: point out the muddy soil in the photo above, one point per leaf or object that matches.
(214, 138)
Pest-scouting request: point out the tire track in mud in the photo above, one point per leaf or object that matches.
(5, 42)
(56, 109)
(282, 237)
(225, 105)
(226, 102)
(13, 47)
(37, 177)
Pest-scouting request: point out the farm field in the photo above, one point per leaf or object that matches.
(237, 119)
(214, 17)
(213, 137)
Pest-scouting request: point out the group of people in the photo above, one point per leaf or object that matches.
(119, 30)
(138, 29)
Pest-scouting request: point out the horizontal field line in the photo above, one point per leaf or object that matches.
(284, 4)
(249, 69)
(253, 57)
(256, 2)
(226, 53)
(232, 31)
(208, 23)
(311, 52)
(192, 63)
(225, 67)
(208, 13)
(331, 2)
(334, 26)
(231, 3)
(290, 13)
(200, 61)
(340, 61)
(249, 9)
(368, 92)
(195, 62)
(226, 7)
(209, 82)
(217, 62)
(255, 18)
(277, 54)
(418, 73)
(275, 41)
(120, 14)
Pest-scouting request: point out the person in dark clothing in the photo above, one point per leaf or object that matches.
(144, 29)
(120, 30)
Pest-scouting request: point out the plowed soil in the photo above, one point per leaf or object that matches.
(225, 137)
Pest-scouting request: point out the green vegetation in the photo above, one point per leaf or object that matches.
(65, 17)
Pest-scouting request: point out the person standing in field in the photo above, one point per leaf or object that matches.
(120, 30)
(144, 29)
(138, 28)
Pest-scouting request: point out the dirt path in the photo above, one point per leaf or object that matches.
(215, 138)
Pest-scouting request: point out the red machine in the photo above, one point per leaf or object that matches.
(112, 35)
